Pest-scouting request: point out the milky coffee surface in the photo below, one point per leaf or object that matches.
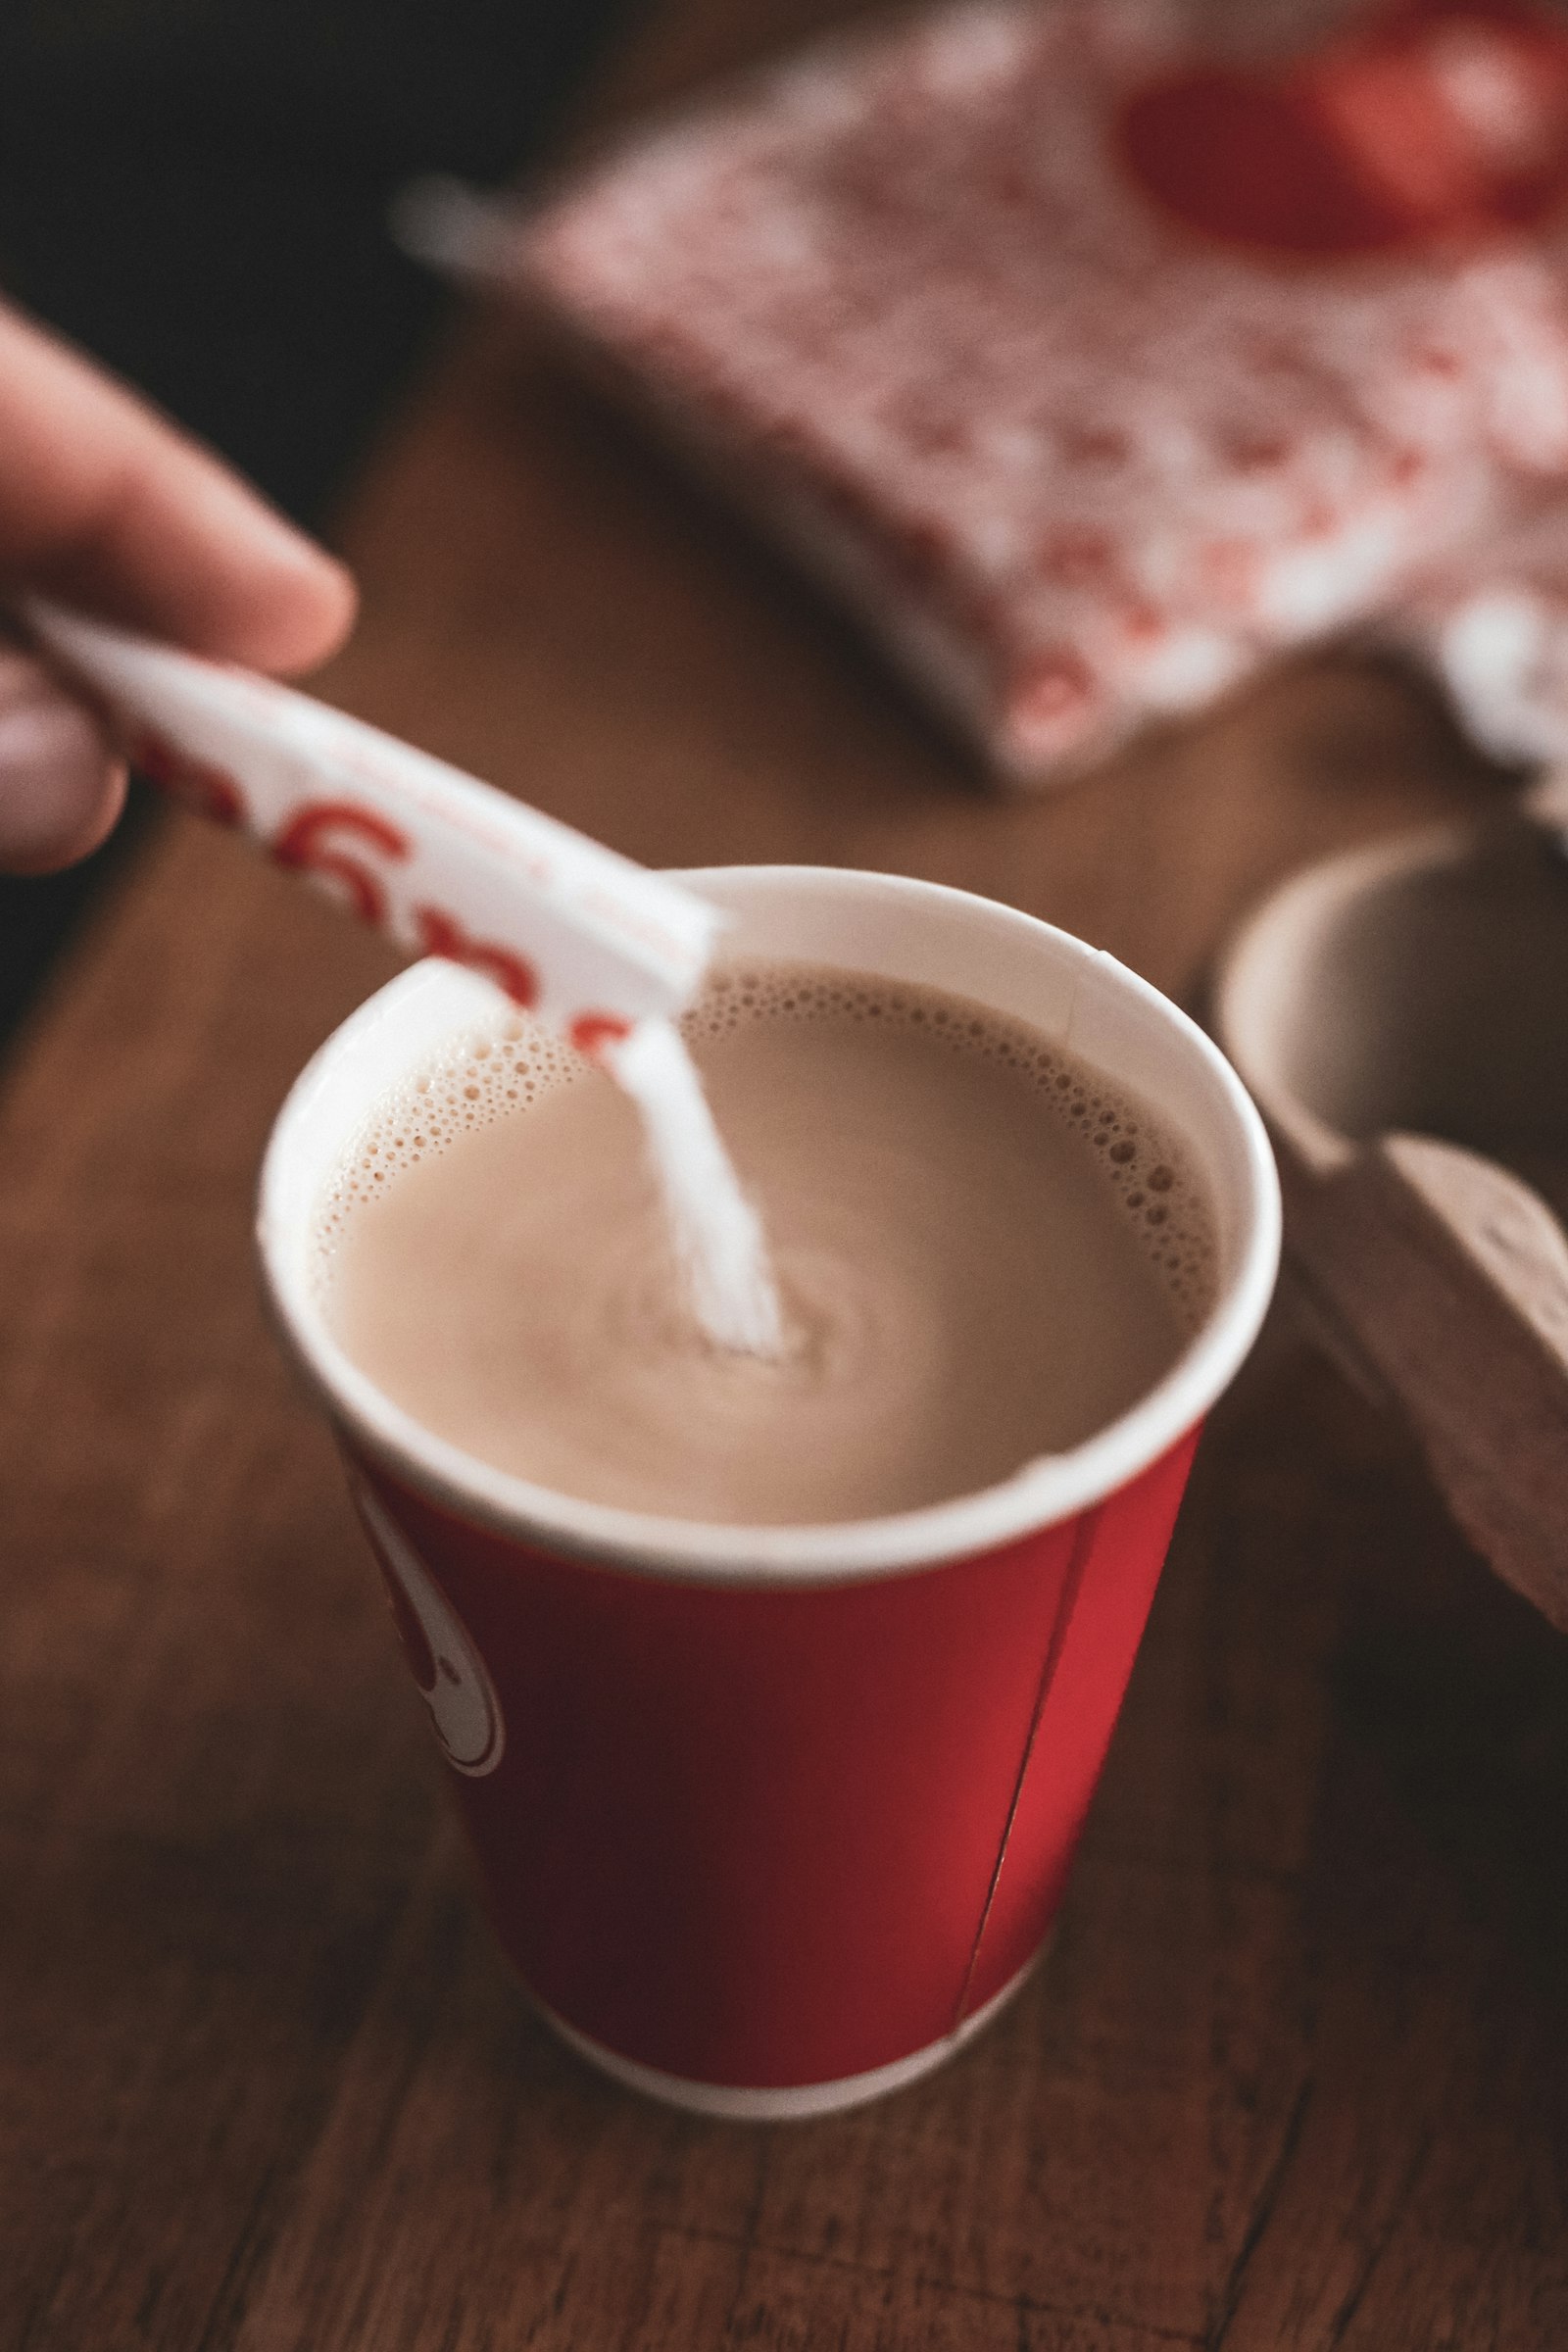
(985, 1255)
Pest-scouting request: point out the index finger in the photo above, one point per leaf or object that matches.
(106, 504)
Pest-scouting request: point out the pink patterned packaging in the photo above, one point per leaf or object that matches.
(1092, 369)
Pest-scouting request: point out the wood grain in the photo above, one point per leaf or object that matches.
(1294, 2073)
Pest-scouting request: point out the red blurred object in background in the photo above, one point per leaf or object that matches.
(1442, 121)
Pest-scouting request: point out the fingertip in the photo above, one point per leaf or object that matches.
(106, 504)
(62, 787)
(191, 554)
(93, 827)
(246, 586)
(298, 610)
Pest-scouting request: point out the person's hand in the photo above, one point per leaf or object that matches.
(105, 505)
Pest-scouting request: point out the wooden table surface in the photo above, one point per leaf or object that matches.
(1294, 2073)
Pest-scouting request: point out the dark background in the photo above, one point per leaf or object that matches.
(197, 192)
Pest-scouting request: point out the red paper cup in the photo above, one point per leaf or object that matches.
(771, 1820)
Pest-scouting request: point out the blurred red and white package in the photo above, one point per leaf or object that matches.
(1096, 352)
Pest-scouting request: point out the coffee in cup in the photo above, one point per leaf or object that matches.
(986, 1253)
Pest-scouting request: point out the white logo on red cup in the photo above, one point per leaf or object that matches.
(450, 1671)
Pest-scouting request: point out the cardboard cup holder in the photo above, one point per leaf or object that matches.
(1400, 1016)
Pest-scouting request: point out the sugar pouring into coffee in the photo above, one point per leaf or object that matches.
(601, 950)
(719, 1245)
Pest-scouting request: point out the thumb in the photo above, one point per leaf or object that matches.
(61, 785)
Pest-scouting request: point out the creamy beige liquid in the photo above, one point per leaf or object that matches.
(984, 1255)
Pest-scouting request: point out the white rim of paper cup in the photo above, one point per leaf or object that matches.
(1073, 994)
